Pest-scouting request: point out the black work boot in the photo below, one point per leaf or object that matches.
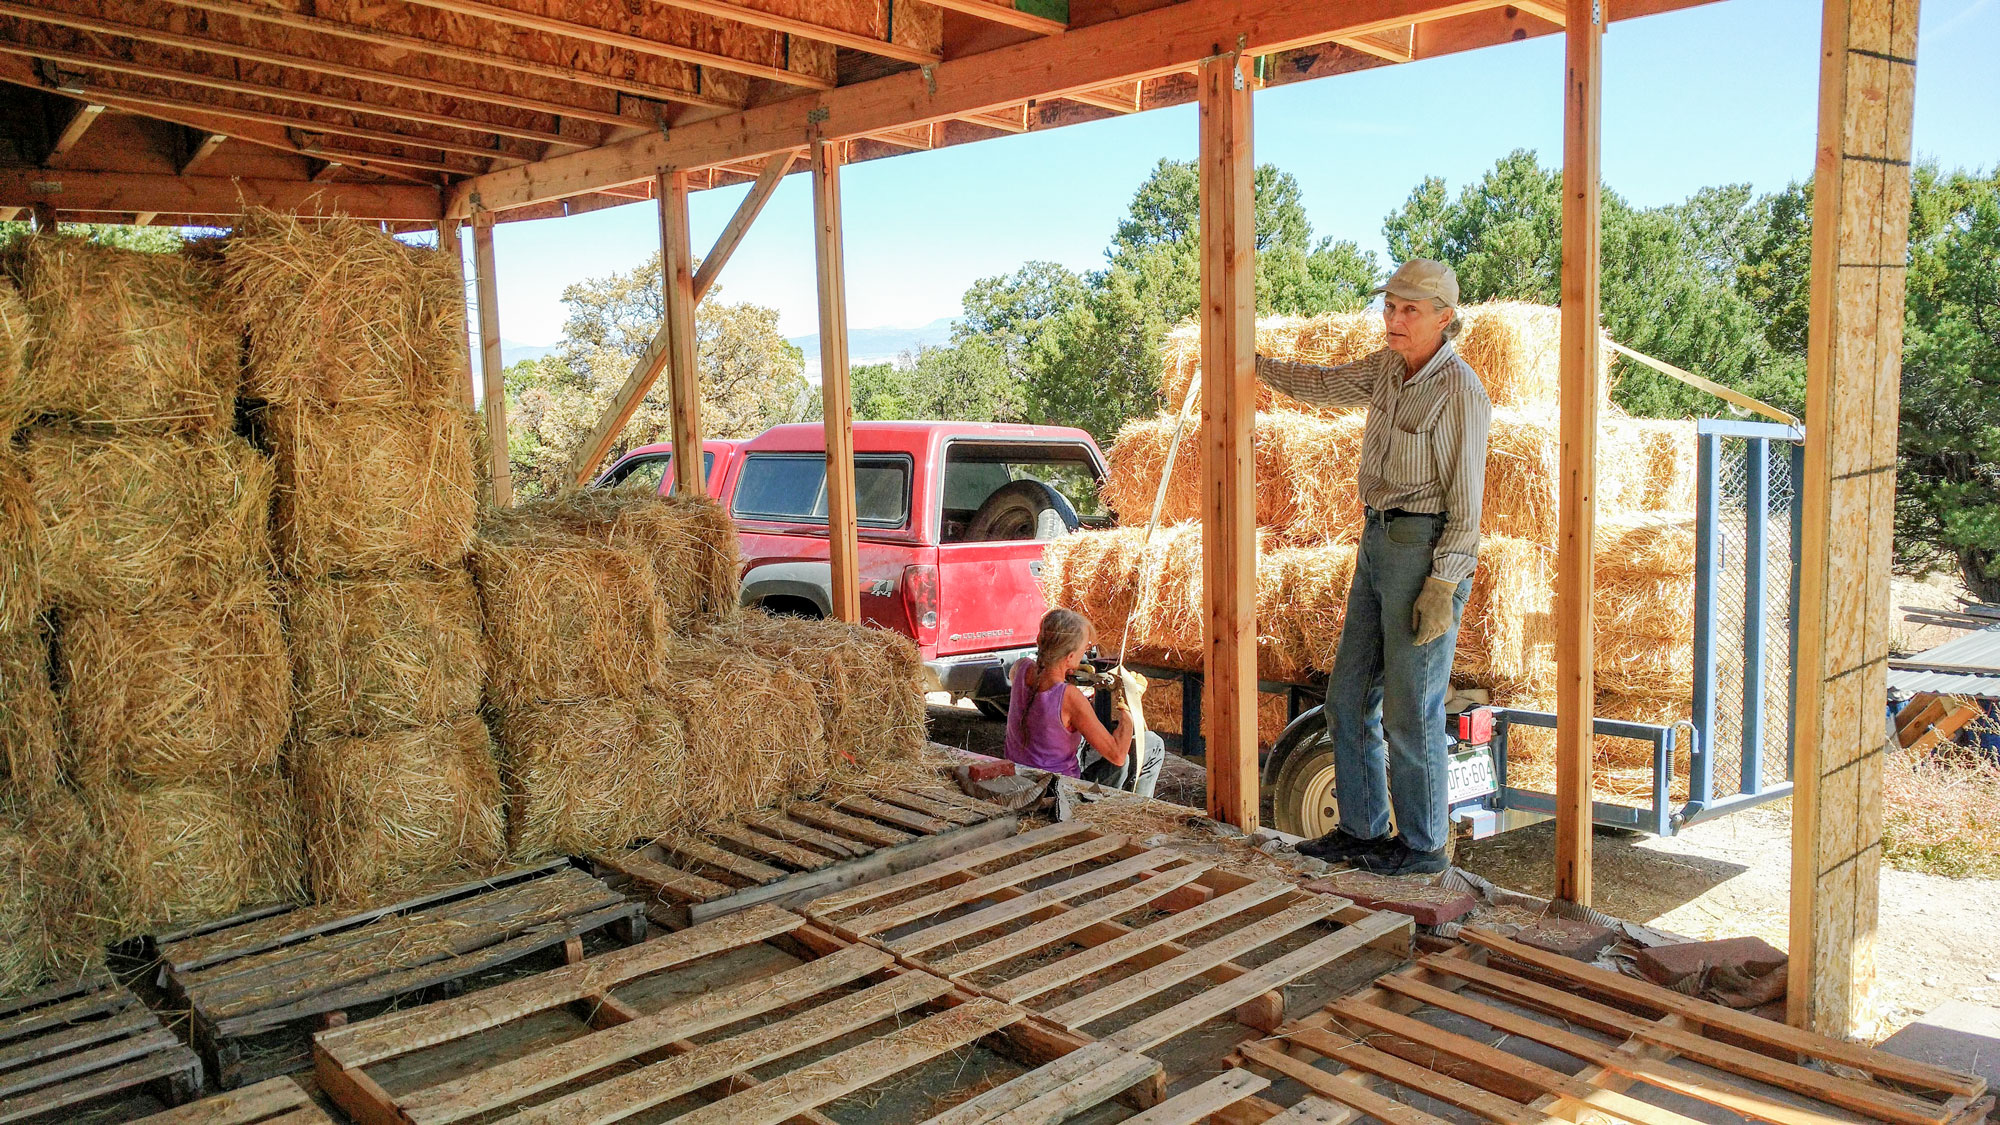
(1401, 859)
(1339, 846)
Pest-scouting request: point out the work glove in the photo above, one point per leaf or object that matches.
(1432, 614)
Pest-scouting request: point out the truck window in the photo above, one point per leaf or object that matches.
(645, 473)
(792, 487)
(974, 472)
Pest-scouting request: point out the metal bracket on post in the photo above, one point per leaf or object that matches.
(930, 78)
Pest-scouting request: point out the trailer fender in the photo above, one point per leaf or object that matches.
(1296, 734)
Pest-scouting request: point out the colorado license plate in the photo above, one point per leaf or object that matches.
(1470, 775)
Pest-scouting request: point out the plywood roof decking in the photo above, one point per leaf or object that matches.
(532, 108)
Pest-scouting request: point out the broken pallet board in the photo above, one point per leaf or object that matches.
(671, 1028)
(1034, 920)
(1629, 1034)
(274, 969)
(65, 1047)
(789, 857)
(276, 1101)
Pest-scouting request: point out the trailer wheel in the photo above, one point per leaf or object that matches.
(1302, 798)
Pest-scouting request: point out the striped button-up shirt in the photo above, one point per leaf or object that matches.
(1424, 447)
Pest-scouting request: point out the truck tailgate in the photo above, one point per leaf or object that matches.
(989, 596)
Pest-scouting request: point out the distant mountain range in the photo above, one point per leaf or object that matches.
(512, 353)
(864, 345)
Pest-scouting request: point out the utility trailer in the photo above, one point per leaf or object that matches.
(1738, 741)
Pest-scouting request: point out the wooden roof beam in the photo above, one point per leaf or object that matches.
(1397, 45)
(1012, 119)
(321, 25)
(1122, 98)
(73, 130)
(203, 149)
(1004, 12)
(209, 44)
(144, 218)
(806, 29)
(548, 25)
(1540, 9)
(219, 196)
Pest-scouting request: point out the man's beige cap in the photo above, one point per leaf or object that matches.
(1421, 278)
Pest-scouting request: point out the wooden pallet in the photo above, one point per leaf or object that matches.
(671, 1028)
(88, 1041)
(812, 848)
(1034, 920)
(283, 966)
(276, 1101)
(1642, 1047)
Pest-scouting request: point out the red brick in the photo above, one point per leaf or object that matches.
(1429, 905)
(986, 769)
(1671, 964)
(1568, 937)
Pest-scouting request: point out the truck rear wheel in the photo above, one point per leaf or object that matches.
(1302, 795)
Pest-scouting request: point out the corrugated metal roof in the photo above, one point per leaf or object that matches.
(1975, 650)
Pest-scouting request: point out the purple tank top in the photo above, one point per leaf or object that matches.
(1035, 733)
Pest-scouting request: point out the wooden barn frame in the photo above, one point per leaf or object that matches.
(447, 112)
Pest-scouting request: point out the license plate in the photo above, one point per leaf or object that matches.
(1470, 775)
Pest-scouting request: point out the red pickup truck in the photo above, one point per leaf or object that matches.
(953, 517)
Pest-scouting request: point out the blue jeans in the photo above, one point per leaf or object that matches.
(1097, 768)
(1385, 701)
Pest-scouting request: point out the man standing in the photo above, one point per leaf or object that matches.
(1422, 476)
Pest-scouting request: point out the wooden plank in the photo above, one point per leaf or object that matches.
(134, 1019)
(174, 1061)
(982, 1108)
(805, 887)
(1311, 1111)
(1945, 729)
(941, 810)
(95, 982)
(1098, 958)
(100, 1057)
(519, 1078)
(1195, 1105)
(698, 852)
(1267, 977)
(672, 881)
(80, 119)
(1228, 410)
(1121, 994)
(951, 795)
(776, 167)
(885, 48)
(889, 917)
(1577, 477)
(859, 1066)
(108, 998)
(1354, 1095)
(257, 1103)
(968, 924)
(1440, 1087)
(492, 371)
(1083, 1092)
(819, 815)
(712, 1062)
(1885, 1105)
(784, 827)
(678, 299)
(945, 868)
(901, 818)
(836, 405)
(217, 196)
(1758, 1030)
(770, 847)
(399, 1033)
(1068, 922)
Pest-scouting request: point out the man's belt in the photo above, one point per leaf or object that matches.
(1399, 513)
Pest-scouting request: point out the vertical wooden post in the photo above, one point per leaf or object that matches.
(1860, 236)
(1575, 585)
(43, 216)
(842, 539)
(1229, 405)
(677, 292)
(453, 248)
(491, 375)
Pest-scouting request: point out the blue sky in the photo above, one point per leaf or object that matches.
(1722, 93)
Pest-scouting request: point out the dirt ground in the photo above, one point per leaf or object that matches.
(1724, 878)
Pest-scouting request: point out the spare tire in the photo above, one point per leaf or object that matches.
(1021, 510)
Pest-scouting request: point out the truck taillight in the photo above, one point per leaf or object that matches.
(920, 598)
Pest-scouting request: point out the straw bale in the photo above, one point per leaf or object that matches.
(1622, 768)
(125, 337)
(691, 541)
(755, 731)
(868, 682)
(1162, 706)
(592, 775)
(339, 313)
(131, 520)
(1302, 604)
(1643, 613)
(384, 650)
(192, 852)
(50, 903)
(388, 810)
(30, 740)
(13, 363)
(20, 544)
(1305, 466)
(185, 691)
(1646, 464)
(368, 489)
(1506, 634)
(566, 617)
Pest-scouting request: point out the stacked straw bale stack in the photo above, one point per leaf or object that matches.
(1309, 518)
(354, 365)
(140, 583)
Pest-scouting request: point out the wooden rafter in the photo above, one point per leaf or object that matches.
(1004, 12)
(374, 37)
(916, 138)
(297, 96)
(1011, 119)
(202, 151)
(73, 130)
(144, 218)
(1122, 98)
(548, 25)
(1542, 9)
(211, 44)
(805, 29)
(1396, 45)
(116, 192)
